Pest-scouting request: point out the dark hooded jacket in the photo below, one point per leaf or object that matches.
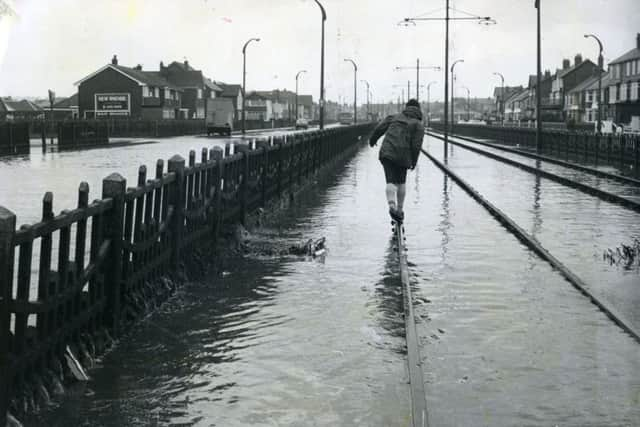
(403, 137)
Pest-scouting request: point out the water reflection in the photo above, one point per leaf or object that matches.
(388, 294)
(445, 223)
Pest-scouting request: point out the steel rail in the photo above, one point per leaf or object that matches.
(536, 247)
(593, 191)
(570, 165)
(416, 380)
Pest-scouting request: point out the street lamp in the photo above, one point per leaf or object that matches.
(501, 97)
(368, 90)
(324, 18)
(298, 75)
(468, 95)
(244, 79)
(355, 90)
(429, 101)
(453, 119)
(600, 64)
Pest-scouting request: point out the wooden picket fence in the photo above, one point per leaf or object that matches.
(110, 255)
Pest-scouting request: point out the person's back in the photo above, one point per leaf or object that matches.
(399, 151)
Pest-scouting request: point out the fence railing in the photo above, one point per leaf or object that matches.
(14, 138)
(618, 150)
(82, 133)
(86, 272)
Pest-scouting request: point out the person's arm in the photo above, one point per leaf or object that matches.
(380, 129)
(416, 142)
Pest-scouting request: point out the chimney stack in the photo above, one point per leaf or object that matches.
(566, 64)
(547, 74)
(138, 67)
(638, 40)
(578, 59)
(114, 60)
(186, 64)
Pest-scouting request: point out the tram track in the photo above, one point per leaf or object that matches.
(511, 226)
(569, 165)
(585, 188)
(419, 413)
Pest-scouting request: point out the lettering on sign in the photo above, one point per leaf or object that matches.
(112, 102)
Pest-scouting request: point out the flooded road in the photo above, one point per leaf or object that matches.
(505, 340)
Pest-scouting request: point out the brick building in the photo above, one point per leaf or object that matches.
(116, 90)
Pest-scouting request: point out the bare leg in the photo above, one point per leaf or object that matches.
(402, 191)
(391, 192)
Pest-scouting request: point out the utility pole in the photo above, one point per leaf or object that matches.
(468, 95)
(480, 19)
(355, 90)
(600, 65)
(418, 68)
(368, 90)
(501, 97)
(244, 80)
(453, 119)
(324, 18)
(429, 102)
(538, 83)
(298, 75)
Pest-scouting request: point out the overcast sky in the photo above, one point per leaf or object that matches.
(52, 44)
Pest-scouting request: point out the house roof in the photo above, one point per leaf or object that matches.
(632, 54)
(508, 90)
(230, 90)
(212, 85)
(561, 73)
(22, 106)
(143, 78)
(69, 102)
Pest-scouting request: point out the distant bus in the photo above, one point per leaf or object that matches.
(345, 118)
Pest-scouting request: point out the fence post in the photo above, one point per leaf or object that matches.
(244, 186)
(636, 148)
(7, 231)
(177, 194)
(216, 156)
(44, 137)
(114, 186)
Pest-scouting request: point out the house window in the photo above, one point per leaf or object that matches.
(627, 68)
(633, 67)
(589, 96)
(199, 93)
(628, 98)
(167, 93)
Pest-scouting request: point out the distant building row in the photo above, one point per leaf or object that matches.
(175, 91)
(570, 94)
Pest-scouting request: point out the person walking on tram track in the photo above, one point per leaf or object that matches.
(403, 135)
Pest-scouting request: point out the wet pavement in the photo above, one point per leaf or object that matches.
(291, 341)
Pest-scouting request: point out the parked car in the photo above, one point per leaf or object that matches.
(302, 124)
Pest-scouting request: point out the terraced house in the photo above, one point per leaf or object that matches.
(624, 86)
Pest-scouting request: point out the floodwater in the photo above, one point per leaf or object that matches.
(618, 188)
(505, 340)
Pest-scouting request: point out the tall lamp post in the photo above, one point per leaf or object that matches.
(355, 90)
(539, 82)
(487, 20)
(600, 64)
(298, 75)
(324, 18)
(501, 97)
(368, 91)
(468, 96)
(453, 119)
(429, 102)
(244, 79)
